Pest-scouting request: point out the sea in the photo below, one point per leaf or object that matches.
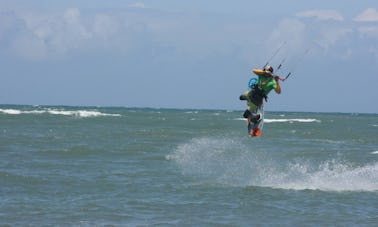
(116, 166)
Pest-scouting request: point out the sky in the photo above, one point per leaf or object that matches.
(189, 54)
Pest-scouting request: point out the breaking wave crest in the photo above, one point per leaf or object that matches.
(230, 162)
(289, 120)
(76, 113)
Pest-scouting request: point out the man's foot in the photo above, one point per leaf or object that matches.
(255, 132)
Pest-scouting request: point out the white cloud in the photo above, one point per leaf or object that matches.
(137, 5)
(72, 15)
(369, 15)
(330, 36)
(164, 35)
(322, 14)
(293, 32)
(74, 30)
(63, 31)
(34, 36)
(105, 26)
(17, 39)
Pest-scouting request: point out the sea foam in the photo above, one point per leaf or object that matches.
(331, 175)
(230, 162)
(309, 120)
(76, 113)
(300, 120)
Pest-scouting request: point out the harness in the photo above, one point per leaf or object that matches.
(257, 95)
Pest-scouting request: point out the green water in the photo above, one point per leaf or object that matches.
(86, 166)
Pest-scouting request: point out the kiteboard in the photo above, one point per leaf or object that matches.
(255, 125)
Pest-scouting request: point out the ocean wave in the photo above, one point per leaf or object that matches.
(290, 120)
(16, 112)
(82, 113)
(305, 120)
(76, 113)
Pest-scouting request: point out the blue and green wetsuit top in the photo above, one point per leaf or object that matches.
(266, 83)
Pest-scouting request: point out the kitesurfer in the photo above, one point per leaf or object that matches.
(259, 91)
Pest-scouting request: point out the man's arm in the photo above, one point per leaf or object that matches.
(278, 88)
(258, 72)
